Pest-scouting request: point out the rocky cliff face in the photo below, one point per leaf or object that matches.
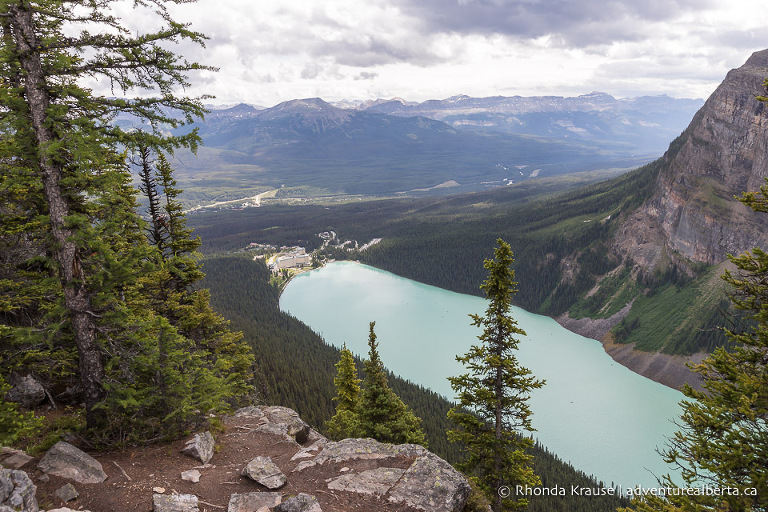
(723, 153)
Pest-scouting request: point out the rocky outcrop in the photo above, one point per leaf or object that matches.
(723, 153)
(66, 461)
(428, 483)
(353, 474)
(17, 492)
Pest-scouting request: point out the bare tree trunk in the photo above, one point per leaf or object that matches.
(65, 252)
(498, 390)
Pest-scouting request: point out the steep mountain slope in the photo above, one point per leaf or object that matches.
(693, 214)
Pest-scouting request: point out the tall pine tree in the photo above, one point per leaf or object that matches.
(492, 415)
(78, 291)
(383, 415)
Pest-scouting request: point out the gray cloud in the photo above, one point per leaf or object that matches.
(571, 23)
(366, 76)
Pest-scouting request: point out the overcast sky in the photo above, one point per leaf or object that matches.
(274, 50)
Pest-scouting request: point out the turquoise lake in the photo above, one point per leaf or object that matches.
(601, 417)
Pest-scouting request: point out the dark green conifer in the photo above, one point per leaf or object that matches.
(86, 293)
(346, 422)
(383, 416)
(492, 415)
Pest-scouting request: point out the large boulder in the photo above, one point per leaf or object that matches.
(66, 461)
(27, 392)
(17, 492)
(301, 503)
(431, 484)
(265, 472)
(280, 421)
(294, 425)
(200, 447)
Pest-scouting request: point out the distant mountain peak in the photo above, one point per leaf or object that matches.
(457, 98)
(597, 94)
(304, 104)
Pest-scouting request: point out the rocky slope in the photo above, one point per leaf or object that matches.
(265, 459)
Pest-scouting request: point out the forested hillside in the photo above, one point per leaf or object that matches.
(296, 369)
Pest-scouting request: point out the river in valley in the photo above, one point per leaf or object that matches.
(598, 415)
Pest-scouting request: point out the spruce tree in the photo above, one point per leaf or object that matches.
(492, 414)
(86, 293)
(345, 423)
(383, 416)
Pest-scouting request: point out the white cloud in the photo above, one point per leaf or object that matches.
(419, 49)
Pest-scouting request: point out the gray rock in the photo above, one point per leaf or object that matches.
(17, 492)
(67, 493)
(354, 449)
(301, 503)
(174, 503)
(432, 485)
(17, 460)
(265, 472)
(66, 509)
(253, 501)
(192, 475)
(27, 392)
(66, 461)
(200, 447)
(373, 481)
(295, 426)
(277, 429)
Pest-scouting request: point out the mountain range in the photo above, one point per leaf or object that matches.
(646, 123)
(308, 147)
